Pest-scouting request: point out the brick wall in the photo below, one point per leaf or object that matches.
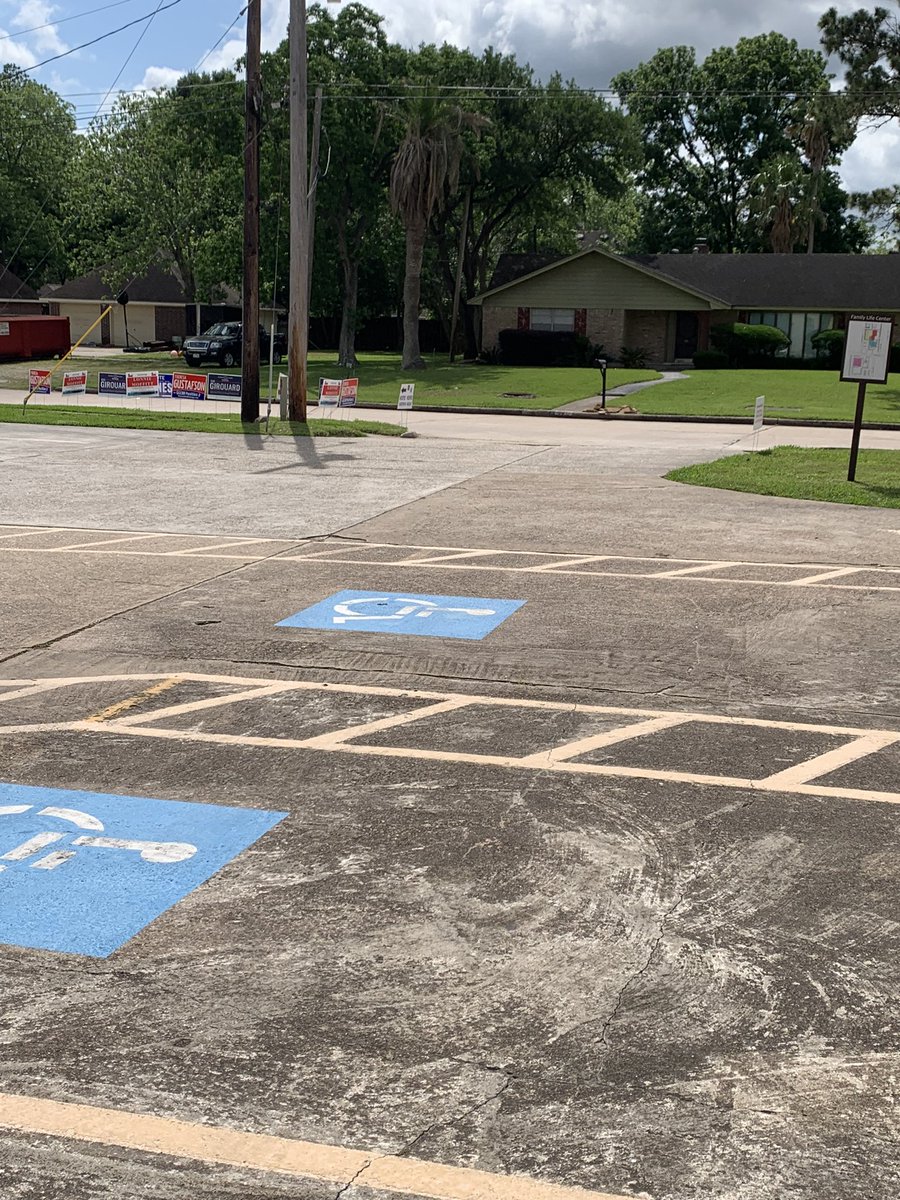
(650, 331)
(492, 321)
(606, 326)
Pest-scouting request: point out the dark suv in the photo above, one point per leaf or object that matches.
(222, 344)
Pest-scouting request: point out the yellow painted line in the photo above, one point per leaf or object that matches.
(599, 740)
(130, 537)
(832, 760)
(442, 558)
(156, 689)
(232, 544)
(276, 1155)
(558, 564)
(29, 533)
(192, 706)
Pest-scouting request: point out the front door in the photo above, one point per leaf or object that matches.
(687, 330)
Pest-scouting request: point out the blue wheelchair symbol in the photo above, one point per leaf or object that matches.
(403, 612)
(75, 879)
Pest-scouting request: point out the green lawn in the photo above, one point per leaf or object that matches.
(441, 384)
(125, 418)
(808, 395)
(803, 474)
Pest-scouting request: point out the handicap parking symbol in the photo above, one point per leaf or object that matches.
(83, 872)
(467, 617)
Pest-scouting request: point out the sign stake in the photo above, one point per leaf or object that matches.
(857, 430)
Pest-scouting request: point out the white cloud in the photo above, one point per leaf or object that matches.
(225, 57)
(874, 159)
(159, 77)
(33, 13)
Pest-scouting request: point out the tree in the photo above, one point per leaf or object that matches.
(779, 201)
(425, 168)
(868, 44)
(37, 144)
(710, 128)
(549, 155)
(824, 127)
(159, 180)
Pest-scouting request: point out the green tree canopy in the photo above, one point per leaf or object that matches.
(37, 145)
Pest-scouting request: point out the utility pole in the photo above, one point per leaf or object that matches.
(250, 307)
(298, 317)
(313, 191)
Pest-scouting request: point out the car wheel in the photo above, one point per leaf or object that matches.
(228, 359)
(276, 358)
(193, 360)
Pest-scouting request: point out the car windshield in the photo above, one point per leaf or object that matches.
(223, 331)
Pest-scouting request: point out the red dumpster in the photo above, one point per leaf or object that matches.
(34, 337)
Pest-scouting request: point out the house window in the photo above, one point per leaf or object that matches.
(555, 320)
(800, 328)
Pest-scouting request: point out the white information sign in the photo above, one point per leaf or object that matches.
(867, 349)
(759, 413)
(407, 395)
(4, 328)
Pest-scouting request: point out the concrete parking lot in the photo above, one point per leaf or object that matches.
(547, 853)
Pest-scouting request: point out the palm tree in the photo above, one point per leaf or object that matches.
(824, 126)
(425, 169)
(778, 200)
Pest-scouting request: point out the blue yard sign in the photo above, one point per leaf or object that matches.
(406, 612)
(83, 872)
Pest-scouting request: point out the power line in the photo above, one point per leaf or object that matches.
(159, 8)
(63, 20)
(213, 49)
(102, 37)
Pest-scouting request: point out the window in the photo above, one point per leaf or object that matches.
(799, 327)
(556, 320)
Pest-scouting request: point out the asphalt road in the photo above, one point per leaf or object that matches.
(601, 903)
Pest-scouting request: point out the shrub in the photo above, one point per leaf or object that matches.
(543, 348)
(748, 345)
(710, 360)
(829, 345)
(633, 356)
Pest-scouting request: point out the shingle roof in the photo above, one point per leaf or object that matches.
(839, 282)
(809, 282)
(155, 286)
(12, 287)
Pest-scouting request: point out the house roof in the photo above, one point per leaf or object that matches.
(12, 287)
(156, 286)
(807, 282)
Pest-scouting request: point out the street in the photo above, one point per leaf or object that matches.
(472, 816)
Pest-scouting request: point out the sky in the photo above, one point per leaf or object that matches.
(588, 40)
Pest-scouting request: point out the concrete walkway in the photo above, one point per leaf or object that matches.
(626, 389)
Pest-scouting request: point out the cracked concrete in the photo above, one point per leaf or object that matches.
(634, 986)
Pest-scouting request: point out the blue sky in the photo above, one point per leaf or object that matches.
(589, 40)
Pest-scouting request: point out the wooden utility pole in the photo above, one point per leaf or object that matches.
(313, 192)
(463, 235)
(298, 317)
(250, 308)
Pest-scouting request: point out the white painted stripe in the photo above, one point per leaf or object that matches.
(30, 533)
(822, 575)
(710, 566)
(277, 1155)
(129, 537)
(561, 564)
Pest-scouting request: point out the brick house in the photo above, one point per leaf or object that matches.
(17, 299)
(666, 303)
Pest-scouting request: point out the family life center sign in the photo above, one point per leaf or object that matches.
(867, 359)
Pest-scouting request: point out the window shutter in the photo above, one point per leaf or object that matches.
(581, 321)
(524, 319)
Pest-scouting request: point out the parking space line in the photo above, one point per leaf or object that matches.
(609, 738)
(568, 562)
(130, 537)
(155, 689)
(192, 706)
(832, 760)
(271, 1154)
(710, 566)
(30, 533)
(444, 558)
(231, 544)
(808, 580)
(336, 739)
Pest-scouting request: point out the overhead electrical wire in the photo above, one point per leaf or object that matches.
(89, 12)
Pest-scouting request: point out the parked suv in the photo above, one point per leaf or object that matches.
(222, 344)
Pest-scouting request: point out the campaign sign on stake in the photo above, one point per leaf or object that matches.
(406, 612)
(141, 383)
(39, 382)
(111, 384)
(74, 383)
(165, 384)
(223, 387)
(329, 393)
(83, 872)
(188, 387)
(349, 392)
(407, 396)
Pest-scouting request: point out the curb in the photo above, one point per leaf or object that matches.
(678, 418)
